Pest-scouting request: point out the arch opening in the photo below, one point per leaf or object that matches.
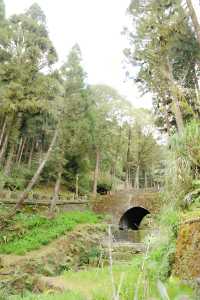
(132, 218)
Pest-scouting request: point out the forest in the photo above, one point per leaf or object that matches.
(75, 157)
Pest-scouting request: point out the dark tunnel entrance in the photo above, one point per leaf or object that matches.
(132, 218)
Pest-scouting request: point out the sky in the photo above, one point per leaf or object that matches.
(96, 25)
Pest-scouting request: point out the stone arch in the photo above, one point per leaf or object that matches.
(132, 218)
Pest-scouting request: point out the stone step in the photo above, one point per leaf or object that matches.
(125, 251)
(123, 246)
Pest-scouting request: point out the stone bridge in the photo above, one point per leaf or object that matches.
(128, 208)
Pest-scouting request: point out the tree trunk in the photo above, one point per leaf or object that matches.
(114, 183)
(167, 121)
(33, 181)
(3, 149)
(178, 115)
(2, 132)
(96, 173)
(77, 185)
(145, 180)
(21, 152)
(194, 19)
(56, 193)
(40, 154)
(31, 156)
(9, 161)
(176, 94)
(129, 178)
(113, 177)
(197, 94)
(137, 175)
(127, 159)
(19, 149)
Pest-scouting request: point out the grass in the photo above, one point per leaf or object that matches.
(95, 284)
(30, 231)
(192, 213)
(64, 296)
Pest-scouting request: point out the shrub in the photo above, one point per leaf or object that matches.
(18, 179)
(163, 244)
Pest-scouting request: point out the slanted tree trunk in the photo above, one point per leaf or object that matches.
(3, 149)
(6, 139)
(176, 94)
(56, 193)
(33, 181)
(96, 173)
(21, 151)
(167, 120)
(2, 132)
(194, 19)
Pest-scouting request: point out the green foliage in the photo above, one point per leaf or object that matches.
(33, 231)
(182, 165)
(187, 144)
(3, 295)
(77, 164)
(90, 256)
(163, 47)
(161, 258)
(169, 218)
(95, 283)
(18, 179)
(70, 295)
(89, 119)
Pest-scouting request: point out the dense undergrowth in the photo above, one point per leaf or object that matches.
(180, 196)
(163, 244)
(96, 284)
(30, 231)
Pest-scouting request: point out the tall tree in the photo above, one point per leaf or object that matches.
(165, 51)
(194, 19)
(106, 116)
(24, 88)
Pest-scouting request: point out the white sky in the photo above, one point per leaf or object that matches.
(96, 26)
